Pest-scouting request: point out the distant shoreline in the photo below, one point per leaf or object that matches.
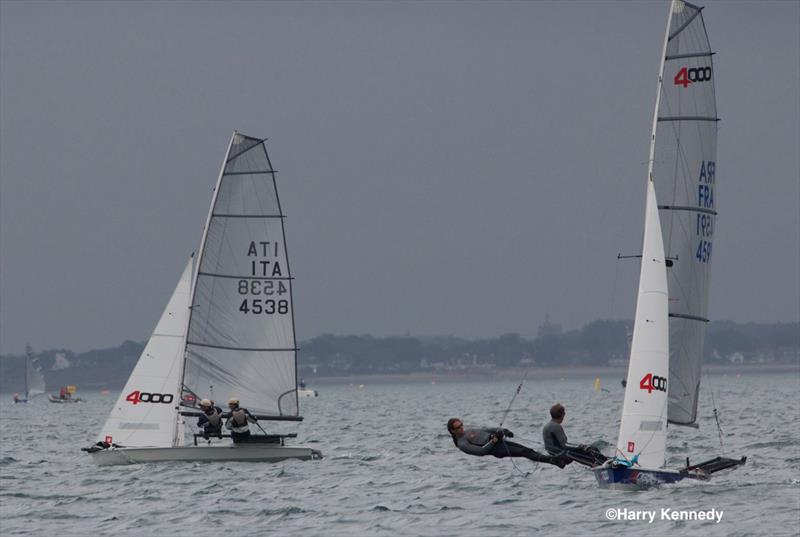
(535, 373)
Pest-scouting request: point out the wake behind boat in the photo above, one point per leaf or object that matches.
(227, 332)
(663, 381)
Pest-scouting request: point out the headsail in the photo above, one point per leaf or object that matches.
(241, 340)
(34, 380)
(144, 414)
(643, 430)
(684, 173)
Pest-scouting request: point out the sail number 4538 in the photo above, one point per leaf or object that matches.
(652, 382)
(268, 306)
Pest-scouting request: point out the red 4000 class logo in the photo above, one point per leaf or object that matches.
(137, 397)
(652, 382)
(695, 74)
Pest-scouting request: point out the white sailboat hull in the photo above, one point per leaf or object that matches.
(232, 453)
(306, 392)
(58, 400)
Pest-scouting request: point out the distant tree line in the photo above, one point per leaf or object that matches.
(599, 343)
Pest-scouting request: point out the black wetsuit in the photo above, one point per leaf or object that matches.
(479, 442)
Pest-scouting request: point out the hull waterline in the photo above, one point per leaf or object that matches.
(229, 453)
(640, 479)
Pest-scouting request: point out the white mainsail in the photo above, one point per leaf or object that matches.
(145, 413)
(643, 430)
(34, 380)
(241, 340)
(683, 168)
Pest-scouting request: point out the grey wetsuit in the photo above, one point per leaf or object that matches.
(555, 439)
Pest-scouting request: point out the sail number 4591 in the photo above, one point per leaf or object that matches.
(652, 382)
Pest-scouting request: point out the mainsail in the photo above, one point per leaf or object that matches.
(683, 168)
(241, 341)
(643, 430)
(144, 414)
(34, 380)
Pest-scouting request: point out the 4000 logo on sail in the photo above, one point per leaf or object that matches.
(687, 76)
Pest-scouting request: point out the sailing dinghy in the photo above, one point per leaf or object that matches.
(34, 380)
(663, 381)
(227, 332)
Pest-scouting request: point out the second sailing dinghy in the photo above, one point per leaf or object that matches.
(666, 354)
(34, 380)
(227, 332)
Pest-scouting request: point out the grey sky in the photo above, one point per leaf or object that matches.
(446, 168)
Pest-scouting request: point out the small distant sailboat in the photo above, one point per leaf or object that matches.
(34, 379)
(227, 332)
(663, 379)
(65, 395)
(303, 391)
(598, 386)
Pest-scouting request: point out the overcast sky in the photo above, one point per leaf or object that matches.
(446, 168)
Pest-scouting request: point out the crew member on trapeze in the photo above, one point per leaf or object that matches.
(488, 441)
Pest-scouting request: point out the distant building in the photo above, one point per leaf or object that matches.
(736, 358)
(547, 328)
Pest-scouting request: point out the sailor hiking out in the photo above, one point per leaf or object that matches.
(238, 421)
(492, 441)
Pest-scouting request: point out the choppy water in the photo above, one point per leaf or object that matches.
(391, 469)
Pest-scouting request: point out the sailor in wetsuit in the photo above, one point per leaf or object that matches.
(238, 421)
(493, 442)
(555, 441)
(211, 420)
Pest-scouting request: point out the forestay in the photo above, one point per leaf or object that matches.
(144, 414)
(241, 340)
(684, 173)
(643, 430)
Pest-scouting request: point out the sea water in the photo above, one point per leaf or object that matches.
(390, 468)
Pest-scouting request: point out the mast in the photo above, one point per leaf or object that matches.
(651, 158)
(199, 258)
(643, 427)
(28, 352)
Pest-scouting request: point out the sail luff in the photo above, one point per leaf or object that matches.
(651, 158)
(643, 428)
(200, 255)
